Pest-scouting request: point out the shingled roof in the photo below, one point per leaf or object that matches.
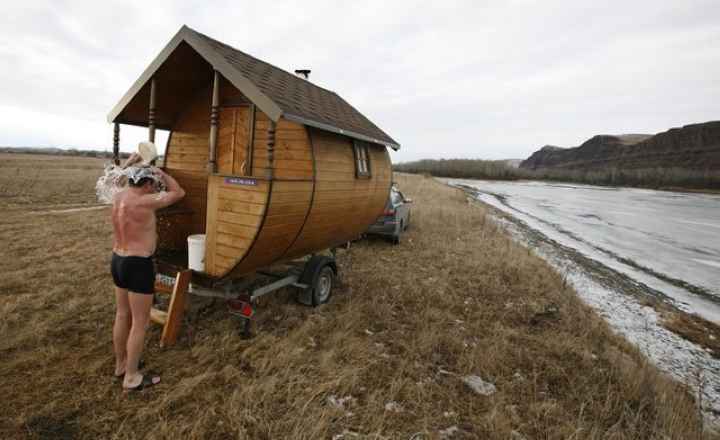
(276, 92)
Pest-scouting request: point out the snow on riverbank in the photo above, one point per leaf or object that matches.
(609, 295)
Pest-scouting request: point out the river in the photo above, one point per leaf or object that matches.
(616, 245)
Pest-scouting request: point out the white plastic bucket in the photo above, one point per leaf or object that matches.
(196, 252)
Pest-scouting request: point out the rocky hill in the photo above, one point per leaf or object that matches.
(692, 147)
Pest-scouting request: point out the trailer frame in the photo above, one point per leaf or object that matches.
(313, 277)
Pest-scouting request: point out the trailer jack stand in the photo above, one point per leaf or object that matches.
(245, 311)
(246, 333)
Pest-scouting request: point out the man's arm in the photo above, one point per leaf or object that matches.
(133, 159)
(166, 198)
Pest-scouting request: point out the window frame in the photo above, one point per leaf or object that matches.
(361, 158)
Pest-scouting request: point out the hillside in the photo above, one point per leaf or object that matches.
(692, 147)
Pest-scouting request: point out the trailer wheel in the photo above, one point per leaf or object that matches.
(319, 276)
(323, 286)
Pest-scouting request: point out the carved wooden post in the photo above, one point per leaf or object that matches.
(251, 142)
(151, 113)
(271, 149)
(212, 165)
(116, 144)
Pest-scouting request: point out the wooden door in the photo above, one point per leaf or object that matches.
(233, 141)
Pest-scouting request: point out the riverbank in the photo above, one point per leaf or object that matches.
(386, 358)
(618, 259)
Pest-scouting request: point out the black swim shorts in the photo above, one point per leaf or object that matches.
(136, 274)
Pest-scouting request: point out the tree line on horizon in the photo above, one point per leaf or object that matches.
(55, 151)
(500, 170)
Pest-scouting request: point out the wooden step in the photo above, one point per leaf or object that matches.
(163, 288)
(171, 320)
(164, 283)
(158, 316)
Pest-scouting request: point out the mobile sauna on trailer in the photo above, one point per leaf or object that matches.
(274, 166)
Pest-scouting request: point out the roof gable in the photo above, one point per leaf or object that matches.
(276, 92)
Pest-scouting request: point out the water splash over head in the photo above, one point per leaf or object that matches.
(115, 179)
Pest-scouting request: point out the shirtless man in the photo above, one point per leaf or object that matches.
(135, 237)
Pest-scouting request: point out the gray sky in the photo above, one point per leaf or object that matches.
(479, 79)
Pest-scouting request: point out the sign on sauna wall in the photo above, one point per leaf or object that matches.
(240, 181)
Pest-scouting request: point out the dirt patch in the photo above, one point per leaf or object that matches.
(62, 427)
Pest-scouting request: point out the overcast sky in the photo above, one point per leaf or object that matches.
(478, 79)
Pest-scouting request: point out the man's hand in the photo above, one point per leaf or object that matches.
(161, 174)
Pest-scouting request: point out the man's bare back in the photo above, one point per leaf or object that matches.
(133, 217)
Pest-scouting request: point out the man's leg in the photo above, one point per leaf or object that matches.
(140, 305)
(121, 329)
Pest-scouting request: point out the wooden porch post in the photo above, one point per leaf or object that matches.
(271, 149)
(151, 113)
(251, 142)
(214, 108)
(116, 144)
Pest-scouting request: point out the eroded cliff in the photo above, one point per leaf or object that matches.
(693, 147)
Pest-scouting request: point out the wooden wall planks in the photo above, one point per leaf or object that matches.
(233, 140)
(343, 205)
(186, 160)
(293, 158)
(231, 230)
(289, 200)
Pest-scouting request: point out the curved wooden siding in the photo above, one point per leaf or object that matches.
(343, 205)
(236, 210)
(290, 196)
(292, 159)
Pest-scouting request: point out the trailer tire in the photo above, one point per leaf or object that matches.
(319, 276)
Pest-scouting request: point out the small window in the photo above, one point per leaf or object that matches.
(396, 197)
(362, 159)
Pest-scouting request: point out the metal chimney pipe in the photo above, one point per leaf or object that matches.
(303, 73)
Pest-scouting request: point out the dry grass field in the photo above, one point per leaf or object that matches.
(383, 360)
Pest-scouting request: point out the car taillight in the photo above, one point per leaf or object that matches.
(389, 212)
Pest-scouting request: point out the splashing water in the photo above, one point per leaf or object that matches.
(115, 179)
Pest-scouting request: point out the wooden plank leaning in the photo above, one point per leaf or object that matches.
(176, 309)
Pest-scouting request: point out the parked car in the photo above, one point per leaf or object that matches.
(395, 219)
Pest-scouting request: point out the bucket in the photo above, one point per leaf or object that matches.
(147, 151)
(196, 252)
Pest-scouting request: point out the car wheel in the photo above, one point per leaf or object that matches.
(396, 237)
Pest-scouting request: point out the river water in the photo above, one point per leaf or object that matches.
(611, 242)
(667, 240)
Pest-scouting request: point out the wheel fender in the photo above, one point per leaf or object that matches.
(312, 268)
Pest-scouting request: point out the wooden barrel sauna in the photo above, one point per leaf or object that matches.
(315, 199)
(274, 167)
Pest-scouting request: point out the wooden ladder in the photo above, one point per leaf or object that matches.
(171, 319)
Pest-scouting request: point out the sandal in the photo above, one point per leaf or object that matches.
(148, 380)
(141, 365)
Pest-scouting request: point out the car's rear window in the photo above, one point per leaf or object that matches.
(395, 197)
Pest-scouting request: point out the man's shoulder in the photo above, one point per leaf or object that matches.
(120, 195)
(153, 200)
